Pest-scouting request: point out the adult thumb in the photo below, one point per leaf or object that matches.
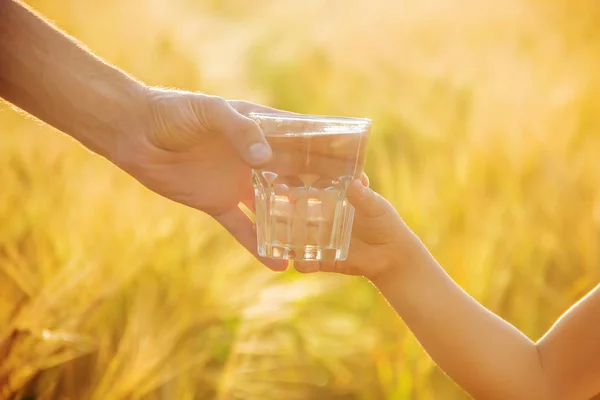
(244, 134)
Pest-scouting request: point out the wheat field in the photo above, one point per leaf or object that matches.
(485, 138)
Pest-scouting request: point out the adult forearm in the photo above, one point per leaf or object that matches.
(51, 76)
(484, 354)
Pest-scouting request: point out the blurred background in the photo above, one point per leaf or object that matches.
(485, 138)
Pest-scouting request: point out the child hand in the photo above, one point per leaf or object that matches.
(380, 239)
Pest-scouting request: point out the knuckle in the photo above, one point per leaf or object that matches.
(214, 105)
(240, 106)
(211, 110)
(216, 102)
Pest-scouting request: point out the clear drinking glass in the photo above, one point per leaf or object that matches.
(300, 196)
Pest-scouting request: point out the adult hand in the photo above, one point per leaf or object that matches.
(189, 147)
(198, 150)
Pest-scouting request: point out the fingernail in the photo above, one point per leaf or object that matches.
(259, 152)
(363, 190)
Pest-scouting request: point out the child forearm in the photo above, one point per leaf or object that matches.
(484, 354)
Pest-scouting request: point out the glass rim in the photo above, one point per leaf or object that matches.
(285, 116)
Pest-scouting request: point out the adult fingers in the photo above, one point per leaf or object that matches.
(246, 107)
(338, 267)
(241, 227)
(244, 134)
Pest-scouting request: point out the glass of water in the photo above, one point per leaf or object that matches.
(300, 195)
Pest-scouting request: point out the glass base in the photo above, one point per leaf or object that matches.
(301, 253)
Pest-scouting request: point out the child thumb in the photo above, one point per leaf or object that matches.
(367, 203)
